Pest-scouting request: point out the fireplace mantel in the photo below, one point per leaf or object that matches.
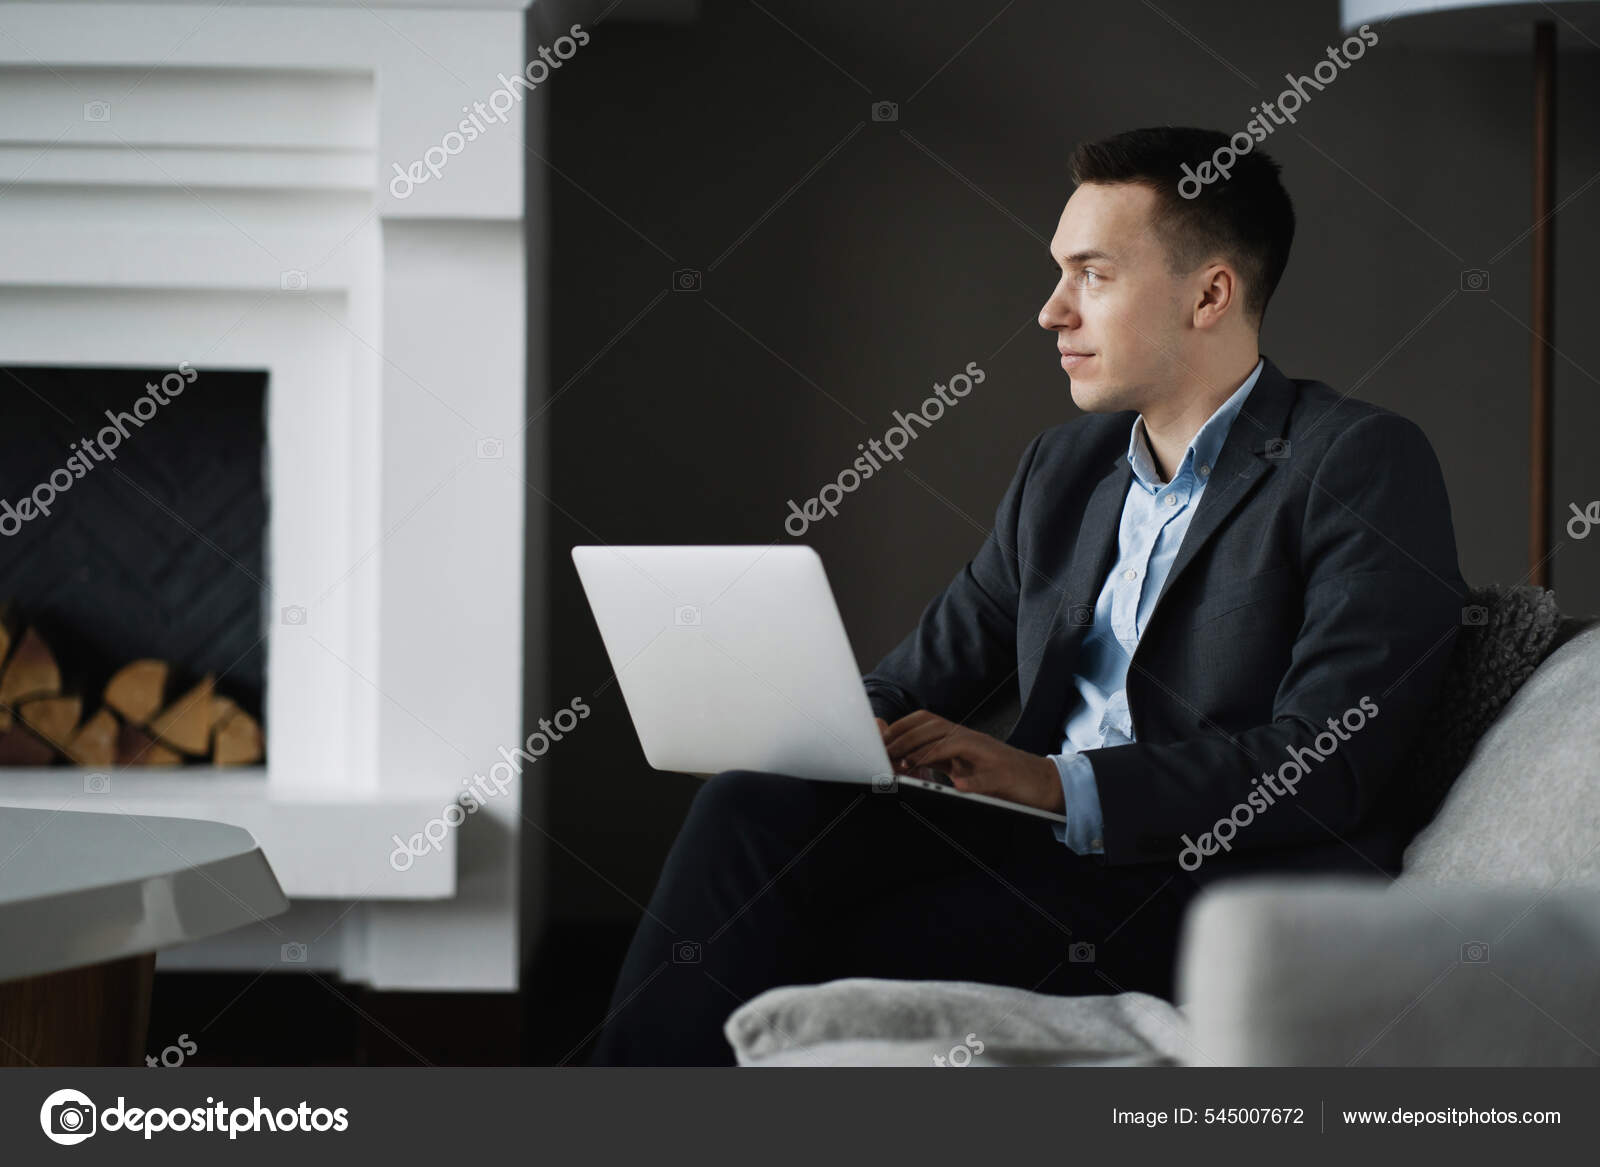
(211, 183)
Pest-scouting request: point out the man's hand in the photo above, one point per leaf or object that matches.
(976, 762)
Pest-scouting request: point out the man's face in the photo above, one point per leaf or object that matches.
(1115, 300)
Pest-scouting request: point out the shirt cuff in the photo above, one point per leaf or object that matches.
(1083, 829)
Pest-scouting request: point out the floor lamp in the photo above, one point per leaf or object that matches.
(1484, 26)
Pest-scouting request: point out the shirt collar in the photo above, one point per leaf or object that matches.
(1201, 454)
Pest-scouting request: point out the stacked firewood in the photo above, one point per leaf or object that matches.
(138, 722)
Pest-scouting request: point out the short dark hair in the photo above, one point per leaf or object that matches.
(1247, 216)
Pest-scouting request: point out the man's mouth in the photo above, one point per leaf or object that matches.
(1072, 358)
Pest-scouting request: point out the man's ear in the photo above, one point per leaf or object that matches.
(1219, 294)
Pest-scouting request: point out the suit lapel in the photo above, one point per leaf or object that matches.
(1248, 452)
(1092, 556)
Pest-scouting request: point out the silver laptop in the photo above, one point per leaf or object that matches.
(735, 658)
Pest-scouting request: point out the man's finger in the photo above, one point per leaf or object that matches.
(913, 719)
(952, 747)
(902, 741)
(956, 741)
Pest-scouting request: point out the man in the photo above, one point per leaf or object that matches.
(1224, 598)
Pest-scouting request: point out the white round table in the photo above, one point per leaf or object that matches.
(86, 901)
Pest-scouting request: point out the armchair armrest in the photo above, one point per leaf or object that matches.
(1294, 971)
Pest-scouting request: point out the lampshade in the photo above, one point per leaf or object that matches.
(1472, 26)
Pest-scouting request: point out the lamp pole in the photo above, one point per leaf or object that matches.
(1543, 300)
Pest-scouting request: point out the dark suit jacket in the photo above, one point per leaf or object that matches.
(1319, 568)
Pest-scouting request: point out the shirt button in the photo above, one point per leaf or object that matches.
(1131, 573)
(1205, 471)
(1096, 845)
(1172, 500)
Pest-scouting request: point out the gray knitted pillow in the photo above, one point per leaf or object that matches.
(1506, 632)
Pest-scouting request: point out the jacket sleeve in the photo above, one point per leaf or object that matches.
(1382, 605)
(965, 645)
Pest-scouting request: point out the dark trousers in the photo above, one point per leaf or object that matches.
(778, 881)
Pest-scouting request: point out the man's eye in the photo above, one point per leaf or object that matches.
(1087, 275)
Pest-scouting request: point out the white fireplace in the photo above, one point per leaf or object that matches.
(210, 183)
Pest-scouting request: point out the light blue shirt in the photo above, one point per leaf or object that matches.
(1155, 516)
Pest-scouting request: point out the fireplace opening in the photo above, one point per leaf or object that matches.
(133, 566)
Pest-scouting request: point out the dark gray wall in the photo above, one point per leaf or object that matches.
(870, 259)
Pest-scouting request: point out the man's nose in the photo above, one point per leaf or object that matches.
(1057, 313)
